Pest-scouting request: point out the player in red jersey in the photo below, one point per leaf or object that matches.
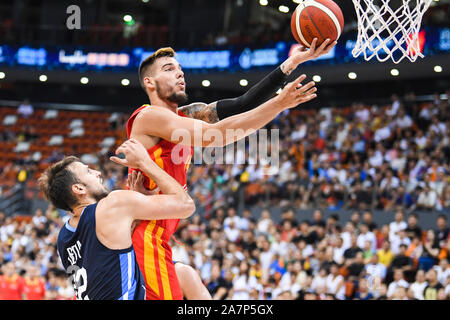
(11, 284)
(33, 285)
(163, 80)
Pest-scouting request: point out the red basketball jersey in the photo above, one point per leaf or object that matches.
(34, 289)
(11, 288)
(151, 238)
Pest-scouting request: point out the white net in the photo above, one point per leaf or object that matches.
(389, 29)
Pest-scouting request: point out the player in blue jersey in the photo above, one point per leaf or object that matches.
(95, 244)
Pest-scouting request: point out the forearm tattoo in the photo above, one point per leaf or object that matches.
(201, 111)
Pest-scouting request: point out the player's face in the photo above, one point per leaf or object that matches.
(169, 80)
(90, 179)
(33, 272)
(9, 269)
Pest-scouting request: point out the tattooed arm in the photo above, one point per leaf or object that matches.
(201, 111)
(260, 92)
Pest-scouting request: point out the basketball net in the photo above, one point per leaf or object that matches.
(387, 32)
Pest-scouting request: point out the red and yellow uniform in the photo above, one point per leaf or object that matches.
(11, 288)
(34, 289)
(151, 238)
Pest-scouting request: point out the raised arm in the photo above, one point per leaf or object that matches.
(260, 92)
(175, 203)
(161, 122)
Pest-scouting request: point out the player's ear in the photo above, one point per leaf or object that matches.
(149, 82)
(79, 189)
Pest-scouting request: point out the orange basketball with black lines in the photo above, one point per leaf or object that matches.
(319, 19)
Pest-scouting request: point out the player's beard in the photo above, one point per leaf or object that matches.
(179, 98)
(99, 194)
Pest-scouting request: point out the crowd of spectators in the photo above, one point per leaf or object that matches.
(239, 257)
(29, 263)
(361, 158)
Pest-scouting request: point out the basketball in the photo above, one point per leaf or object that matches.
(319, 19)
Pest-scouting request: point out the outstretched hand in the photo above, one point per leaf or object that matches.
(303, 54)
(135, 154)
(294, 93)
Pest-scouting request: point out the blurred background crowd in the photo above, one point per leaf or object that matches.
(364, 158)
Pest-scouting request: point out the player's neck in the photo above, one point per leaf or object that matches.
(156, 101)
(78, 211)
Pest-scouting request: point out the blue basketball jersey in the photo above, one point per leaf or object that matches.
(96, 272)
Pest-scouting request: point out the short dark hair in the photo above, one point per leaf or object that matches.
(56, 183)
(148, 62)
(412, 214)
(335, 217)
(442, 216)
(305, 222)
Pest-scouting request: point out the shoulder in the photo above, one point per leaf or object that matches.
(189, 108)
(150, 113)
(113, 200)
(63, 236)
(193, 104)
(138, 111)
(61, 233)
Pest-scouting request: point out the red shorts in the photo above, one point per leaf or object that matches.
(154, 256)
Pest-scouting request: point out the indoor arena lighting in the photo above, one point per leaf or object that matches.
(395, 72)
(127, 18)
(42, 78)
(296, 1)
(125, 82)
(317, 78)
(206, 83)
(243, 82)
(352, 75)
(263, 2)
(437, 69)
(145, 1)
(283, 9)
(84, 80)
(2, 75)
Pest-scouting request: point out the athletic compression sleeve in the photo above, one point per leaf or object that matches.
(258, 94)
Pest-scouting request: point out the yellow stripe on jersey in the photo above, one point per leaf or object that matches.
(149, 258)
(188, 162)
(157, 154)
(158, 160)
(163, 266)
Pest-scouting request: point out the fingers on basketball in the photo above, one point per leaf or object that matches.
(320, 18)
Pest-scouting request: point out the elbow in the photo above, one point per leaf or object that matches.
(188, 207)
